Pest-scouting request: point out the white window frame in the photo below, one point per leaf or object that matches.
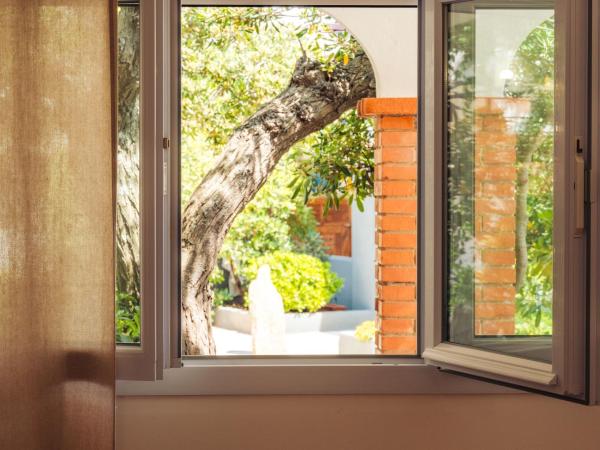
(144, 361)
(279, 375)
(564, 375)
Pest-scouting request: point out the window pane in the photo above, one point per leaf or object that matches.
(128, 174)
(500, 149)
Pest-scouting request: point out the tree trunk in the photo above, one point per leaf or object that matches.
(522, 217)
(312, 100)
(524, 156)
(128, 166)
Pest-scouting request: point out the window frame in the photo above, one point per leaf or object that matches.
(144, 361)
(275, 375)
(564, 374)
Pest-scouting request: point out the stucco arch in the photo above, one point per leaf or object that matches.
(389, 36)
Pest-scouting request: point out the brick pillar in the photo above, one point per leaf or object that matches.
(396, 221)
(494, 192)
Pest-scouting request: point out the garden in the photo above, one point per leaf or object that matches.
(237, 63)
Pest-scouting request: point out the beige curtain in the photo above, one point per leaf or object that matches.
(56, 224)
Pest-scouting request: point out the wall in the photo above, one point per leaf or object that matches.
(363, 261)
(390, 38)
(451, 422)
(396, 221)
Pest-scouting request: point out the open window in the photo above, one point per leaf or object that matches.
(139, 198)
(505, 155)
(480, 208)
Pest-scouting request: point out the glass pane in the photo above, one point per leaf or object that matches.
(500, 149)
(128, 178)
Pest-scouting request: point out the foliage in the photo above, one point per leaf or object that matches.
(461, 227)
(221, 293)
(532, 79)
(304, 282)
(272, 221)
(233, 68)
(365, 332)
(127, 311)
(337, 163)
(533, 69)
(236, 59)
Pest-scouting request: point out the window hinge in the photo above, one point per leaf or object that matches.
(166, 143)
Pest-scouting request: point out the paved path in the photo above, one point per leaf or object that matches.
(232, 343)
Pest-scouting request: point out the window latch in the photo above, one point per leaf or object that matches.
(580, 188)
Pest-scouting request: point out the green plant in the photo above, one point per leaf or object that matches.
(337, 162)
(304, 282)
(272, 222)
(533, 69)
(127, 318)
(365, 331)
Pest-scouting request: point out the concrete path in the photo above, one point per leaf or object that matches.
(231, 343)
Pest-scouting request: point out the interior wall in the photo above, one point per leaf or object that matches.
(411, 422)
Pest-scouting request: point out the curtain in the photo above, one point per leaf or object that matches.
(56, 224)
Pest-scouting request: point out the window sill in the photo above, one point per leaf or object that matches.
(270, 376)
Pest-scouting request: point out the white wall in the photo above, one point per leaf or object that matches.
(363, 256)
(390, 38)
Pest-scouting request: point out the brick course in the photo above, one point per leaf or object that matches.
(396, 222)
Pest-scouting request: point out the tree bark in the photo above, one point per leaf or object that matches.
(522, 217)
(128, 166)
(312, 100)
(524, 156)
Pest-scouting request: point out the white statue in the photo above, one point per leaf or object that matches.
(267, 315)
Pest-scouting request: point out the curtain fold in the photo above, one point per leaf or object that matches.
(56, 224)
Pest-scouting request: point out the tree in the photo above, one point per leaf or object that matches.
(329, 74)
(533, 80)
(533, 69)
(314, 98)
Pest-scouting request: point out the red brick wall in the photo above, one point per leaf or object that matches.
(396, 222)
(396, 218)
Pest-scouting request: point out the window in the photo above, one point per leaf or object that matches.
(128, 301)
(500, 171)
(139, 199)
(512, 239)
(480, 217)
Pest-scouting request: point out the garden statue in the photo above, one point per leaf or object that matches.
(266, 315)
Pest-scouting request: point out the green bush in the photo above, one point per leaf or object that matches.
(365, 332)
(304, 282)
(127, 318)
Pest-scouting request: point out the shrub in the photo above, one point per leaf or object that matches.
(127, 318)
(304, 282)
(365, 331)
